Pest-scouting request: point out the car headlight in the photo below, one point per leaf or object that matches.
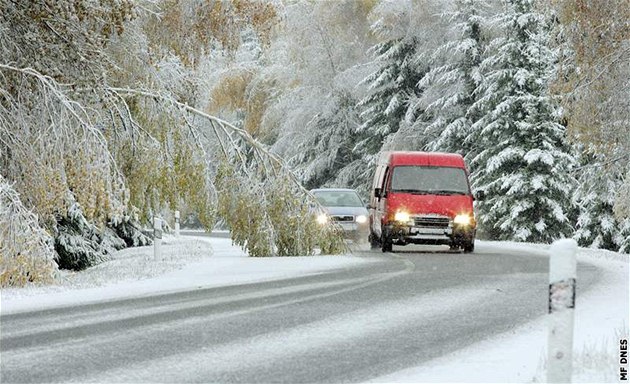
(322, 218)
(462, 219)
(402, 217)
(361, 219)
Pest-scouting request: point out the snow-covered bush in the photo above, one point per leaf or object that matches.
(78, 243)
(26, 251)
(128, 231)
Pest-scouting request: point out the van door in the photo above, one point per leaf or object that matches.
(376, 181)
(381, 202)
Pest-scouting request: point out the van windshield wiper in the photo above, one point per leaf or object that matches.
(412, 191)
(447, 192)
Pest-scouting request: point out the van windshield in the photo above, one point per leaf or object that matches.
(430, 180)
(338, 198)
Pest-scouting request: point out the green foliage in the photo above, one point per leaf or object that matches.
(271, 217)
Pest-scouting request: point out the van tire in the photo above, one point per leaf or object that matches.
(373, 240)
(469, 246)
(386, 244)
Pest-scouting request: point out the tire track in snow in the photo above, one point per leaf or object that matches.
(31, 353)
(219, 363)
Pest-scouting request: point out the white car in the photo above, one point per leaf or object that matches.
(345, 208)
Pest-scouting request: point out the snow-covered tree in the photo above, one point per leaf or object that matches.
(77, 242)
(622, 212)
(26, 249)
(317, 63)
(392, 84)
(524, 166)
(624, 235)
(593, 81)
(102, 114)
(449, 87)
(597, 226)
(323, 154)
(390, 88)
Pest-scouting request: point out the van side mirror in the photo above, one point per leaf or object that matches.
(377, 193)
(480, 195)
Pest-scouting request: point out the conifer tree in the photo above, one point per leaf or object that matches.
(597, 226)
(624, 236)
(449, 87)
(524, 164)
(390, 86)
(328, 147)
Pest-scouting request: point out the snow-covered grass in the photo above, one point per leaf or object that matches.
(185, 263)
(129, 264)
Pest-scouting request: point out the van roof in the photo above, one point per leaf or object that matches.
(332, 190)
(436, 159)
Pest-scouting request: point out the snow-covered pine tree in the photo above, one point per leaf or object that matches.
(624, 236)
(328, 147)
(524, 166)
(390, 86)
(449, 87)
(79, 243)
(127, 229)
(596, 225)
(622, 212)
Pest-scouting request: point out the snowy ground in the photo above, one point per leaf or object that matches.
(186, 263)
(520, 356)
(517, 356)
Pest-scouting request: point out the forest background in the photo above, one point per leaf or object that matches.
(114, 111)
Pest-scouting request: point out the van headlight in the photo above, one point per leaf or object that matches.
(462, 219)
(322, 218)
(402, 217)
(361, 219)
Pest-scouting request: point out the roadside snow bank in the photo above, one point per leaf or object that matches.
(186, 263)
(601, 319)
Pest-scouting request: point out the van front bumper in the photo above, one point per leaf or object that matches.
(454, 234)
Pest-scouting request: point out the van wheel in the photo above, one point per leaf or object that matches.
(374, 243)
(386, 244)
(469, 246)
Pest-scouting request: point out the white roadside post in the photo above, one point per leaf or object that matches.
(157, 237)
(562, 279)
(177, 223)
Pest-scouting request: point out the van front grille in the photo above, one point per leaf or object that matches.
(432, 221)
(342, 218)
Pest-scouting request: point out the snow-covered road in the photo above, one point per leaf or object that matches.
(363, 319)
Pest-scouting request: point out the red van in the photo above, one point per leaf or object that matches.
(421, 198)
